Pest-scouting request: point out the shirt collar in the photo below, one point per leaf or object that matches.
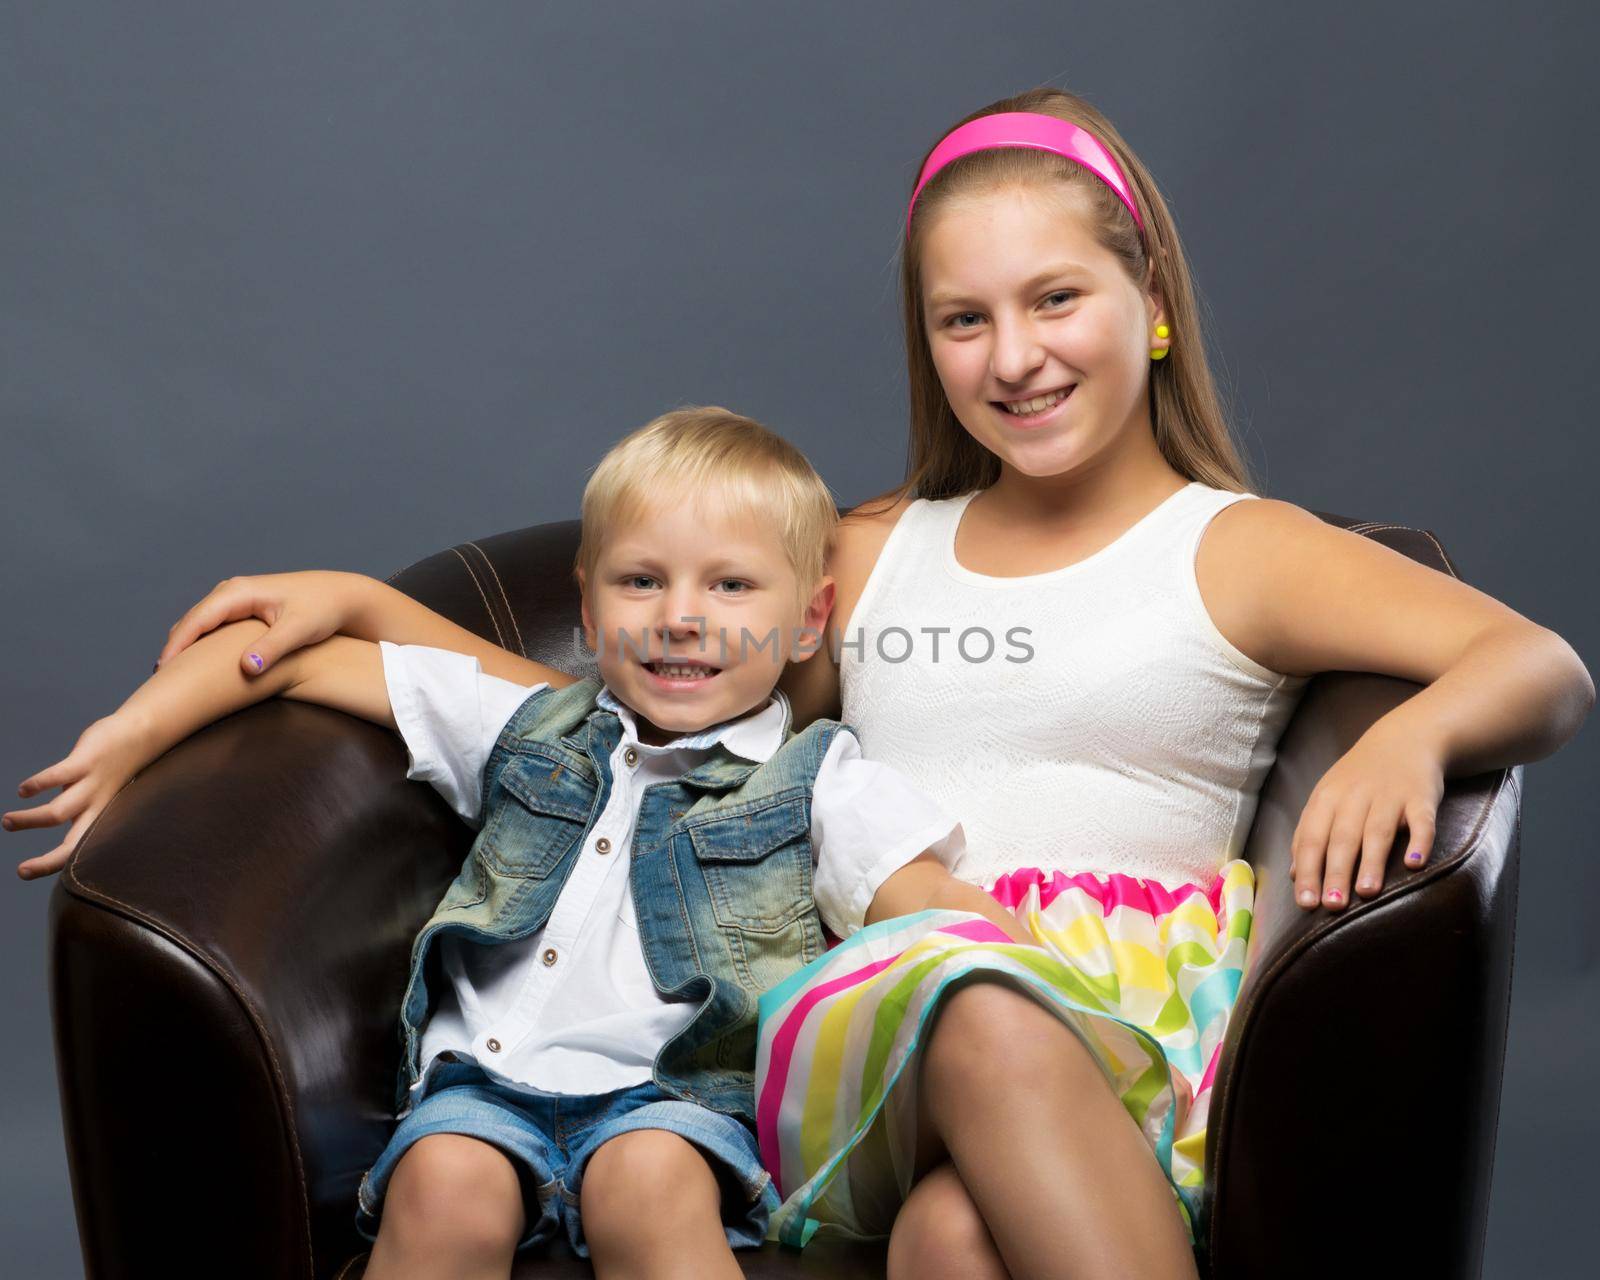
(755, 736)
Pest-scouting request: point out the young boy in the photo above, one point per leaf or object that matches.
(652, 853)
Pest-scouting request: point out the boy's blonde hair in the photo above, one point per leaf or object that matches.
(699, 448)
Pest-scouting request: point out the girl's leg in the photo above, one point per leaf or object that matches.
(939, 1233)
(453, 1208)
(1059, 1171)
(652, 1207)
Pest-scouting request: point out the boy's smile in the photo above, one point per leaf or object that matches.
(693, 611)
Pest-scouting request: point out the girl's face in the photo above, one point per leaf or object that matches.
(1040, 339)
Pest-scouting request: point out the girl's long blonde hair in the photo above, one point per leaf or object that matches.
(1186, 412)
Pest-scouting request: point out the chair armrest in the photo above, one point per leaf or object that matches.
(229, 943)
(1360, 1074)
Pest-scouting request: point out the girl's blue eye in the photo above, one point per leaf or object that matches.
(635, 578)
(1062, 293)
(961, 316)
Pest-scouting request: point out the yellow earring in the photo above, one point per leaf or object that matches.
(1160, 353)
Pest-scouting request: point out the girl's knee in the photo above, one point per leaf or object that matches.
(643, 1184)
(939, 1232)
(989, 1029)
(451, 1193)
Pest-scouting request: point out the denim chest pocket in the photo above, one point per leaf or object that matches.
(539, 809)
(757, 866)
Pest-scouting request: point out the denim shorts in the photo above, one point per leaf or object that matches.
(550, 1137)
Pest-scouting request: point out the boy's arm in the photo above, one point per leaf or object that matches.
(923, 885)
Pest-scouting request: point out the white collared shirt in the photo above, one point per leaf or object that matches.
(592, 1021)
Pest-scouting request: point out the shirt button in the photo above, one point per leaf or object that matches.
(494, 1046)
(549, 956)
(631, 756)
(602, 845)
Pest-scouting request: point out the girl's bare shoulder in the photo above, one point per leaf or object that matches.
(1232, 578)
(862, 533)
(865, 528)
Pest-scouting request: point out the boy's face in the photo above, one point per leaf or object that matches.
(694, 614)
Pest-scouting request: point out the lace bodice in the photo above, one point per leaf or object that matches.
(1112, 728)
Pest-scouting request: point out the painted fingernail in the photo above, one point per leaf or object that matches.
(1308, 897)
(1414, 857)
(256, 658)
(1334, 895)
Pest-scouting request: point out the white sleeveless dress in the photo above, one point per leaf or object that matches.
(1103, 746)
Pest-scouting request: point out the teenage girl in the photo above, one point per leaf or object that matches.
(995, 1106)
(1071, 472)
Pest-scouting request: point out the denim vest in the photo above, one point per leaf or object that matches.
(720, 875)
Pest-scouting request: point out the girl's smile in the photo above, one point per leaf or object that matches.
(1036, 410)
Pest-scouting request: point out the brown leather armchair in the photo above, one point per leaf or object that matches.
(229, 942)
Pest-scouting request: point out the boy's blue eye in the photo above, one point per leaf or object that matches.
(644, 581)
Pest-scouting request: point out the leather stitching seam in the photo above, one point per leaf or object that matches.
(499, 635)
(505, 599)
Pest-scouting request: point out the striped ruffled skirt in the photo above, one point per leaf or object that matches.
(1144, 974)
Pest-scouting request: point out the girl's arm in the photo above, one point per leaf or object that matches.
(203, 684)
(305, 608)
(198, 686)
(380, 612)
(923, 885)
(1302, 596)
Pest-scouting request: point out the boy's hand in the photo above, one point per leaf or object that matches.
(300, 609)
(107, 754)
(1390, 779)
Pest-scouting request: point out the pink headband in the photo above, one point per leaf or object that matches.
(1034, 130)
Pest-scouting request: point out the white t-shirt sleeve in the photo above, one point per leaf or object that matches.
(867, 821)
(449, 713)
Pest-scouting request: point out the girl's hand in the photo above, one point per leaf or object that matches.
(300, 609)
(107, 754)
(1389, 779)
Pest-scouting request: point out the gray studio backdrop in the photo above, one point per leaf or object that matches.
(338, 285)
